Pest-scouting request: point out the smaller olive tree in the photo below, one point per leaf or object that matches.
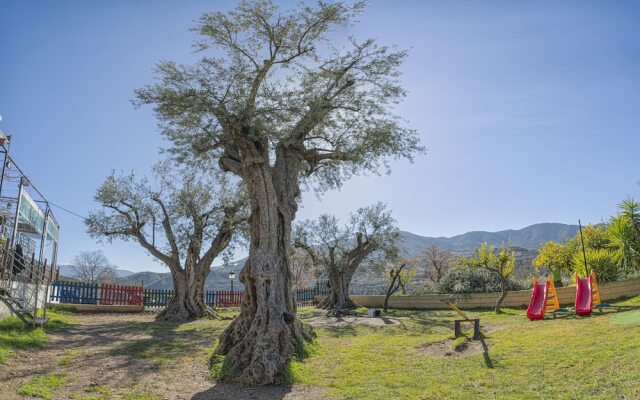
(399, 275)
(184, 219)
(371, 237)
(501, 263)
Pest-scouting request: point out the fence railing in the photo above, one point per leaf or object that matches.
(106, 294)
(74, 292)
(159, 298)
(92, 293)
(120, 295)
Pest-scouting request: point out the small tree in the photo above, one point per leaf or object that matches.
(302, 268)
(185, 220)
(399, 275)
(501, 263)
(557, 257)
(437, 262)
(94, 267)
(370, 237)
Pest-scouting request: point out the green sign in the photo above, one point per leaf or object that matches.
(30, 211)
(52, 230)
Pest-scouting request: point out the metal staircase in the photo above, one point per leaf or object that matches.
(23, 285)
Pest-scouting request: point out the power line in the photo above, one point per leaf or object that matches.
(70, 212)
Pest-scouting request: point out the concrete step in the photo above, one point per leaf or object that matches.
(39, 321)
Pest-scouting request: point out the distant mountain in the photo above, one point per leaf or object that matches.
(67, 271)
(529, 238)
(525, 242)
(218, 278)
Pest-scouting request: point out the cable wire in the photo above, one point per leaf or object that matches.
(70, 212)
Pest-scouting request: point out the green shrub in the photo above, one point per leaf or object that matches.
(460, 343)
(602, 261)
(473, 280)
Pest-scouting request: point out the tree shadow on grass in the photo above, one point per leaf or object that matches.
(123, 350)
(598, 312)
(236, 391)
(485, 352)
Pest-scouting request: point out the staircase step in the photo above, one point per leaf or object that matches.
(39, 321)
(13, 299)
(22, 310)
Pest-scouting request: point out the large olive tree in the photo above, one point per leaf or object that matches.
(278, 104)
(370, 237)
(183, 218)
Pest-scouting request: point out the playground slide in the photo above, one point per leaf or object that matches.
(538, 304)
(584, 301)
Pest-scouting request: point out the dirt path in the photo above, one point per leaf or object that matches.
(129, 356)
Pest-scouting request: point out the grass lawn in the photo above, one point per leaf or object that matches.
(14, 334)
(597, 357)
(567, 357)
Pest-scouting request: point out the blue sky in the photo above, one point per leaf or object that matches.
(529, 110)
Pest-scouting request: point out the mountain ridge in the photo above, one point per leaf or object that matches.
(527, 240)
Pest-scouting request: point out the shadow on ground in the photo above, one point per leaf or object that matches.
(234, 391)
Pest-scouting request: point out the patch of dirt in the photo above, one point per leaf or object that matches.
(443, 349)
(324, 321)
(120, 352)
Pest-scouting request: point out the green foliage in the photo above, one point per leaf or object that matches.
(624, 235)
(601, 261)
(44, 386)
(502, 263)
(595, 237)
(610, 249)
(221, 368)
(557, 257)
(459, 343)
(176, 213)
(15, 334)
(463, 279)
(270, 78)
(370, 238)
(623, 243)
(383, 363)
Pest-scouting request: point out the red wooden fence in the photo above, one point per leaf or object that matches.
(226, 298)
(121, 295)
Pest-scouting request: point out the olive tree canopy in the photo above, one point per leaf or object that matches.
(369, 238)
(183, 218)
(279, 100)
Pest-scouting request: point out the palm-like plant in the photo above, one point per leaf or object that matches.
(629, 216)
(601, 261)
(622, 241)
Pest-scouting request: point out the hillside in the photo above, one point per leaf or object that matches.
(529, 238)
(524, 241)
(218, 278)
(67, 271)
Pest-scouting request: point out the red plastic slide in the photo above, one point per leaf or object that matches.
(538, 304)
(584, 301)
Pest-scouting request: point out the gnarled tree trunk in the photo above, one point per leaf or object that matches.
(261, 341)
(338, 301)
(187, 302)
(503, 294)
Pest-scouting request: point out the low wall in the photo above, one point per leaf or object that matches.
(4, 310)
(97, 307)
(521, 298)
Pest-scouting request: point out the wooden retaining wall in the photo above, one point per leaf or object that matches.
(521, 298)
